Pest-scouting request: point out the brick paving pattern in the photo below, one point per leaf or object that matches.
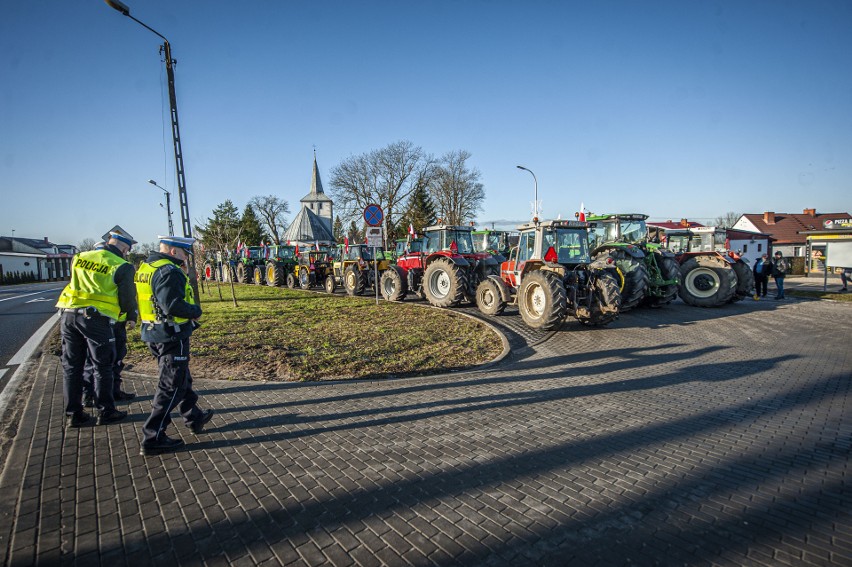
(679, 436)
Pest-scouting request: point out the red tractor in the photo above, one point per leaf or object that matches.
(550, 275)
(711, 275)
(442, 266)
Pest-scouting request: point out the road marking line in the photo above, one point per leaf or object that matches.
(37, 299)
(29, 294)
(29, 347)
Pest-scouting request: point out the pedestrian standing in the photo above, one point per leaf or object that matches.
(762, 269)
(845, 276)
(169, 315)
(120, 331)
(780, 267)
(101, 293)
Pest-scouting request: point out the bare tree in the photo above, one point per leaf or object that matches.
(727, 220)
(386, 177)
(456, 190)
(221, 239)
(86, 244)
(271, 211)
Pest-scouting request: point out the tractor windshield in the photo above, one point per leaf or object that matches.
(571, 245)
(633, 231)
(677, 243)
(443, 239)
(285, 252)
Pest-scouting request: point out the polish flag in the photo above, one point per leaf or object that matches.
(582, 212)
(346, 244)
(296, 251)
(411, 231)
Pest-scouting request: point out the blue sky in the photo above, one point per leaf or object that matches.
(675, 109)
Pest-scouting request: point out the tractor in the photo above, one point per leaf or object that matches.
(494, 242)
(314, 267)
(281, 265)
(249, 260)
(651, 275)
(442, 266)
(355, 268)
(550, 275)
(711, 275)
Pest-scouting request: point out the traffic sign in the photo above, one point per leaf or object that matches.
(373, 215)
(375, 237)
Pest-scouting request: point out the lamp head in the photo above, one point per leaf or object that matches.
(152, 182)
(120, 6)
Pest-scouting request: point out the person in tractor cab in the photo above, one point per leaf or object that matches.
(169, 316)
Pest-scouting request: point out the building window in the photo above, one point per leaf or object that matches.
(760, 247)
(319, 206)
(797, 251)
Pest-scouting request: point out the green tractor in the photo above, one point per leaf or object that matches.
(650, 274)
(281, 266)
(355, 268)
(249, 260)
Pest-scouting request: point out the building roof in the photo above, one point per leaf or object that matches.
(674, 225)
(786, 227)
(316, 194)
(308, 227)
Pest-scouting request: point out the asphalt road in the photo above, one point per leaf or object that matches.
(23, 310)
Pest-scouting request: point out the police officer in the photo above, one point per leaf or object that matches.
(120, 331)
(169, 314)
(101, 292)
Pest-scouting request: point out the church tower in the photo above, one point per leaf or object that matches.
(317, 201)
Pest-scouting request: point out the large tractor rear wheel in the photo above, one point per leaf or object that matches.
(354, 281)
(707, 281)
(242, 273)
(444, 283)
(274, 274)
(228, 274)
(393, 285)
(636, 279)
(605, 301)
(489, 299)
(209, 272)
(669, 270)
(745, 281)
(257, 275)
(542, 300)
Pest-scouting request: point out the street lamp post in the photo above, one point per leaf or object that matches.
(535, 203)
(166, 50)
(168, 206)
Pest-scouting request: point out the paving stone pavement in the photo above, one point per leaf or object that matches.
(678, 436)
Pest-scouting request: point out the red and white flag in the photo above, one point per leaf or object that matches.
(346, 244)
(411, 231)
(582, 216)
(316, 245)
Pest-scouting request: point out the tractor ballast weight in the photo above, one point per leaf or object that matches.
(550, 275)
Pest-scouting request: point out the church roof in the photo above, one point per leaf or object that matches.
(316, 194)
(308, 227)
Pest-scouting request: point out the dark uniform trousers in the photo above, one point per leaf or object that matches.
(119, 329)
(84, 336)
(174, 390)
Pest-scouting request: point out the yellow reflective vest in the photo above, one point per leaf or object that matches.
(93, 284)
(149, 311)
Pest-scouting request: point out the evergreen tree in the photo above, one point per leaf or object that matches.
(252, 233)
(223, 227)
(337, 229)
(420, 213)
(355, 235)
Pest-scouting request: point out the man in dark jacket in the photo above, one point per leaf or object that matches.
(99, 295)
(762, 269)
(169, 315)
(780, 267)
